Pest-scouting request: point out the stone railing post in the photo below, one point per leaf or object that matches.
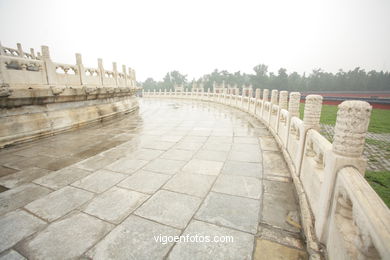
(257, 93)
(312, 113)
(20, 50)
(242, 97)
(51, 73)
(81, 70)
(283, 96)
(115, 70)
(347, 151)
(274, 97)
(1, 50)
(293, 104)
(265, 95)
(124, 71)
(351, 128)
(32, 52)
(101, 71)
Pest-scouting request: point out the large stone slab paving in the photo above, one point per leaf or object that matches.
(241, 246)
(146, 154)
(28, 162)
(254, 156)
(126, 165)
(206, 167)
(266, 250)
(59, 203)
(210, 155)
(220, 139)
(245, 140)
(238, 185)
(58, 179)
(281, 237)
(144, 181)
(16, 226)
(188, 145)
(171, 138)
(99, 181)
(178, 154)
(279, 201)
(20, 196)
(230, 211)
(248, 148)
(243, 169)
(194, 139)
(67, 238)
(134, 239)
(169, 208)
(22, 177)
(274, 164)
(165, 166)
(268, 143)
(12, 255)
(158, 145)
(115, 204)
(192, 184)
(4, 171)
(217, 146)
(95, 163)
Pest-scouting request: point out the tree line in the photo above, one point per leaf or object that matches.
(318, 80)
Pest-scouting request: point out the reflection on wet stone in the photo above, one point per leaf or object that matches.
(172, 167)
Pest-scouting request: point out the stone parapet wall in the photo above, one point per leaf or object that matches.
(39, 97)
(339, 208)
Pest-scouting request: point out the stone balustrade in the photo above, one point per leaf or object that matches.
(339, 208)
(40, 97)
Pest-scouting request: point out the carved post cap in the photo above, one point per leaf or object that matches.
(312, 113)
(257, 93)
(45, 52)
(351, 127)
(274, 96)
(32, 52)
(265, 94)
(293, 104)
(20, 50)
(79, 59)
(283, 96)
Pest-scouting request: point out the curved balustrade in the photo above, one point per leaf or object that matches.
(339, 208)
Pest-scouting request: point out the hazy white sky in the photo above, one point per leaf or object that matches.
(195, 37)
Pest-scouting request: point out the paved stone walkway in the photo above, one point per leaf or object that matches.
(376, 149)
(175, 168)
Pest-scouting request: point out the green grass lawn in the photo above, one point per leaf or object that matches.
(380, 182)
(379, 122)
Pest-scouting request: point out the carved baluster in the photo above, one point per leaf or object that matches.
(257, 93)
(293, 104)
(351, 128)
(274, 96)
(312, 113)
(20, 50)
(283, 96)
(265, 95)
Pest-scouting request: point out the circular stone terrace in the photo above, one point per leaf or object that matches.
(173, 168)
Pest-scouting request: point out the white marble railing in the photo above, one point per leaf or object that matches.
(19, 69)
(339, 208)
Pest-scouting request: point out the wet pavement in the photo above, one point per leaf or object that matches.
(172, 168)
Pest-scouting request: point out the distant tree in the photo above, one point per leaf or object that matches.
(317, 80)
